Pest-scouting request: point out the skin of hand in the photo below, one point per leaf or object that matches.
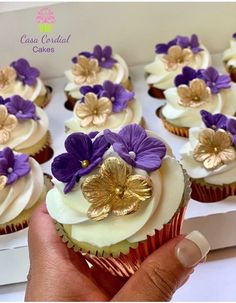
(57, 273)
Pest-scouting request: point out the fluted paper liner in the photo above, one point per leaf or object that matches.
(126, 265)
(177, 130)
(208, 193)
(42, 101)
(22, 220)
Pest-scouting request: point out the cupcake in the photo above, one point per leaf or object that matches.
(112, 198)
(229, 58)
(24, 128)
(94, 68)
(209, 157)
(170, 59)
(104, 106)
(196, 90)
(22, 189)
(21, 79)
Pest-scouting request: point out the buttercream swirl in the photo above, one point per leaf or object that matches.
(151, 215)
(117, 74)
(223, 102)
(22, 194)
(229, 55)
(28, 132)
(161, 78)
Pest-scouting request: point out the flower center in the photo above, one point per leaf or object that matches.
(213, 126)
(215, 149)
(20, 112)
(132, 155)
(10, 170)
(119, 191)
(196, 98)
(85, 163)
(95, 112)
(103, 59)
(112, 98)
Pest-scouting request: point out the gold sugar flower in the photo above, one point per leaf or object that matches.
(194, 95)
(177, 56)
(7, 76)
(93, 111)
(3, 182)
(114, 190)
(214, 148)
(85, 70)
(7, 124)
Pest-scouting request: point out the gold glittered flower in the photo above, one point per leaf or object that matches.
(194, 95)
(85, 70)
(3, 182)
(7, 76)
(7, 124)
(214, 148)
(93, 111)
(177, 56)
(115, 190)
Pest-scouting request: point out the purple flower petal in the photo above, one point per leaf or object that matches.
(93, 134)
(79, 145)
(133, 135)
(188, 74)
(69, 186)
(162, 48)
(25, 73)
(231, 126)
(107, 52)
(97, 52)
(234, 36)
(100, 146)
(85, 54)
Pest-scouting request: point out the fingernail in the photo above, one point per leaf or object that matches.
(192, 249)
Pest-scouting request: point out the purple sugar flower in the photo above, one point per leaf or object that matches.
(25, 73)
(162, 48)
(215, 81)
(82, 156)
(13, 166)
(188, 74)
(215, 121)
(4, 101)
(136, 148)
(104, 56)
(93, 134)
(118, 95)
(192, 43)
(22, 109)
(85, 54)
(231, 127)
(234, 35)
(97, 89)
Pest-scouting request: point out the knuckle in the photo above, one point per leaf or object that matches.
(164, 281)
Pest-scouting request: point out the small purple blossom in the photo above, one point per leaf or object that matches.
(188, 74)
(82, 156)
(104, 56)
(135, 147)
(22, 109)
(25, 73)
(214, 80)
(214, 121)
(163, 48)
(13, 166)
(118, 95)
(231, 128)
(97, 89)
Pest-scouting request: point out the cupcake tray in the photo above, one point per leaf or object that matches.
(215, 220)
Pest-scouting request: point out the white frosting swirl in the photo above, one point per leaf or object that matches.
(224, 174)
(25, 91)
(22, 194)
(229, 55)
(28, 132)
(223, 102)
(132, 114)
(160, 78)
(72, 208)
(117, 74)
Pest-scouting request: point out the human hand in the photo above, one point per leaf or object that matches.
(57, 273)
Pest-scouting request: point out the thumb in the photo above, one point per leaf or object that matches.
(165, 270)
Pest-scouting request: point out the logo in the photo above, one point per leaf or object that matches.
(45, 19)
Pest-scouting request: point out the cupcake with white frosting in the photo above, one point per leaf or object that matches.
(209, 157)
(170, 58)
(24, 128)
(229, 58)
(104, 106)
(90, 68)
(117, 182)
(196, 90)
(22, 79)
(21, 189)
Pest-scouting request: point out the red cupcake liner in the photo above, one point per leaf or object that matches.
(156, 92)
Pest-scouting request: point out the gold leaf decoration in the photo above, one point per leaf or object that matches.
(7, 124)
(177, 56)
(115, 190)
(93, 111)
(7, 76)
(3, 182)
(214, 148)
(85, 70)
(194, 95)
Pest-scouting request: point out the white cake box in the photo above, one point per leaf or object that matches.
(216, 220)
